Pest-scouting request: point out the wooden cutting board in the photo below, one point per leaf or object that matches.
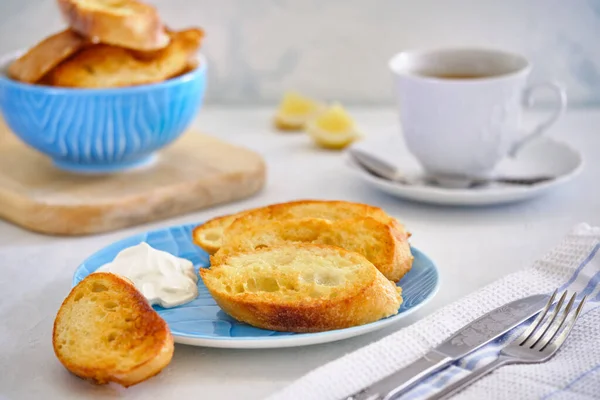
(195, 172)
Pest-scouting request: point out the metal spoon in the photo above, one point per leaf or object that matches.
(382, 169)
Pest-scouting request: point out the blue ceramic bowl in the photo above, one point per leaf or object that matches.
(101, 130)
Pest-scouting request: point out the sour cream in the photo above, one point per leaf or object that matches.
(161, 277)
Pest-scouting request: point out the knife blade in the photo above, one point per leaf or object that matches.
(468, 339)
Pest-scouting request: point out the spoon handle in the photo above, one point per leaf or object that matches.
(523, 181)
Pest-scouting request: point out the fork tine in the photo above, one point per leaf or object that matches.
(543, 327)
(565, 332)
(555, 328)
(532, 327)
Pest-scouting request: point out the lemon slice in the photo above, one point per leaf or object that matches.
(295, 110)
(333, 129)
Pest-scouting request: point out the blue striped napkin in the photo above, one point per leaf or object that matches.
(574, 373)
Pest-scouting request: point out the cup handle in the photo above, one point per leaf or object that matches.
(556, 114)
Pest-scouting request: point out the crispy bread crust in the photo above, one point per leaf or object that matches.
(143, 334)
(104, 66)
(47, 54)
(219, 226)
(202, 233)
(140, 28)
(366, 236)
(375, 297)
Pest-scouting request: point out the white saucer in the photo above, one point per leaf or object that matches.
(541, 157)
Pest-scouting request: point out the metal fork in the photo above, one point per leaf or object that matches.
(538, 343)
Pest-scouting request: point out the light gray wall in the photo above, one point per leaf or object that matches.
(338, 49)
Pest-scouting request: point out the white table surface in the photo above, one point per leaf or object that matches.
(472, 247)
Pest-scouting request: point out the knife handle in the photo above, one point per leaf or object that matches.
(397, 383)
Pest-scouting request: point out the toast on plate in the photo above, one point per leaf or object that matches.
(47, 54)
(301, 288)
(366, 236)
(209, 235)
(124, 23)
(106, 331)
(104, 66)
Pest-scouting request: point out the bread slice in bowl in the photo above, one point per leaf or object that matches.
(124, 23)
(104, 66)
(47, 54)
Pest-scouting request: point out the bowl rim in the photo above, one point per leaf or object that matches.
(5, 59)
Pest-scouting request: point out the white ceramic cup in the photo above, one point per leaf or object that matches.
(460, 109)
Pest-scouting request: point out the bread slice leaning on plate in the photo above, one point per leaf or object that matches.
(301, 288)
(366, 236)
(209, 236)
(124, 23)
(106, 331)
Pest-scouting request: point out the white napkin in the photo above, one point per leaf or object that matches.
(573, 373)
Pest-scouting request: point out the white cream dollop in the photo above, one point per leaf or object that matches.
(160, 276)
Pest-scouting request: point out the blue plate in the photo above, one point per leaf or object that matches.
(202, 323)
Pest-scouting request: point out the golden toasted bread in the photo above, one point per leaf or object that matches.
(301, 288)
(104, 66)
(191, 65)
(106, 331)
(33, 65)
(366, 236)
(124, 23)
(209, 235)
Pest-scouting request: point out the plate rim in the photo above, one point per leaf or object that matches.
(296, 340)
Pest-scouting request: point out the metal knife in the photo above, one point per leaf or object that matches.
(471, 337)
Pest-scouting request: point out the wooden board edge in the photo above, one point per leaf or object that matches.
(77, 220)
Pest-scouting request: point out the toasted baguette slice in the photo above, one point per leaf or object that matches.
(124, 23)
(103, 66)
(47, 54)
(301, 288)
(209, 236)
(366, 236)
(106, 331)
